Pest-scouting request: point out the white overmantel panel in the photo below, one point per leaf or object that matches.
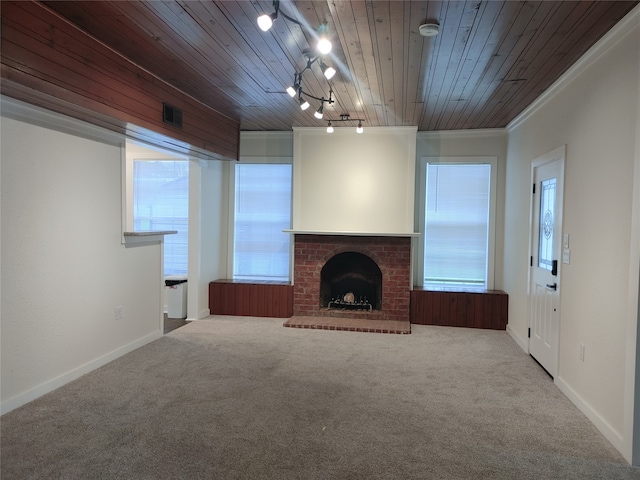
(350, 182)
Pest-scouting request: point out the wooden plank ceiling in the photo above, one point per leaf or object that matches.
(490, 60)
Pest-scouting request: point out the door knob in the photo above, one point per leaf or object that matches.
(552, 286)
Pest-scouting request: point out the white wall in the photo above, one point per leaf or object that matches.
(64, 267)
(275, 145)
(593, 110)
(349, 182)
(208, 222)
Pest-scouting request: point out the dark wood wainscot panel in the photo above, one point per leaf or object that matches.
(473, 309)
(48, 62)
(259, 299)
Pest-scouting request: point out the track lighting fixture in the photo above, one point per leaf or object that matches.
(296, 88)
(345, 117)
(323, 47)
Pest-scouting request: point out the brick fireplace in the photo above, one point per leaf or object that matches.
(381, 277)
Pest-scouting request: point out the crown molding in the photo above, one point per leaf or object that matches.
(473, 133)
(346, 125)
(251, 134)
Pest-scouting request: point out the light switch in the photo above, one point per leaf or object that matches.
(565, 240)
(566, 256)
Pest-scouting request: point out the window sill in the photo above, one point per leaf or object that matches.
(353, 234)
(131, 238)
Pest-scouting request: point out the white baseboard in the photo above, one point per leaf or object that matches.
(522, 342)
(600, 423)
(203, 314)
(51, 385)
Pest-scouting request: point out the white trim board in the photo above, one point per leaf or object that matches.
(601, 424)
(523, 343)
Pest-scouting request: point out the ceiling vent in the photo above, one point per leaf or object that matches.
(171, 115)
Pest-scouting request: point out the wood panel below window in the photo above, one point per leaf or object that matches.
(255, 299)
(473, 309)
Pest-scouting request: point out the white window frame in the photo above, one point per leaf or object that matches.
(232, 205)
(421, 206)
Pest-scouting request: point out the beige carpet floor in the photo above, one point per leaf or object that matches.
(245, 398)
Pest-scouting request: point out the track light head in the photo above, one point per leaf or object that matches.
(292, 91)
(318, 113)
(327, 71)
(303, 104)
(324, 44)
(266, 21)
(359, 128)
(329, 127)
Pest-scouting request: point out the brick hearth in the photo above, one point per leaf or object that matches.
(391, 253)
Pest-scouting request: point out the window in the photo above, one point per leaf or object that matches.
(161, 202)
(261, 250)
(456, 224)
(547, 211)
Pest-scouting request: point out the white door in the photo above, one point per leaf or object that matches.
(546, 250)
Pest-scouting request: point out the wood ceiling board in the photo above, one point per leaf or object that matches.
(447, 54)
(566, 43)
(468, 51)
(514, 19)
(352, 28)
(469, 76)
(478, 54)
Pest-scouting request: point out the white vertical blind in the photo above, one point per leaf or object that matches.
(161, 202)
(262, 212)
(456, 237)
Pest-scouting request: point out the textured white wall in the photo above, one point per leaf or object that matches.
(349, 182)
(594, 113)
(64, 268)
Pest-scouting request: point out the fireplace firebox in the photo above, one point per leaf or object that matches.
(351, 281)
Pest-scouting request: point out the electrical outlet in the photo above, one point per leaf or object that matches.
(582, 352)
(117, 313)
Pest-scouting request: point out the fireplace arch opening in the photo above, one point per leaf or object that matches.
(351, 281)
